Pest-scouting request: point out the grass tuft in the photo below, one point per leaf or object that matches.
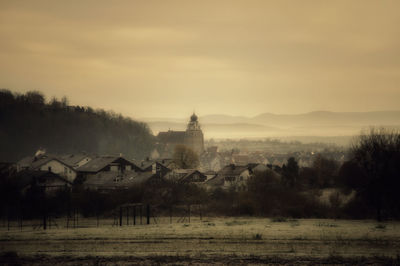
(324, 224)
(257, 236)
(380, 226)
(236, 223)
(279, 220)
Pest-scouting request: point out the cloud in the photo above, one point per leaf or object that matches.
(150, 58)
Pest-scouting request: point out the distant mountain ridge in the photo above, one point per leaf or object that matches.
(318, 123)
(331, 118)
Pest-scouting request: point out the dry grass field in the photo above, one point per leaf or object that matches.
(210, 240)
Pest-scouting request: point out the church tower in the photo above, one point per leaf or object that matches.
(194, 138)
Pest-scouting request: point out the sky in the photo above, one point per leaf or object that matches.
(168, 58)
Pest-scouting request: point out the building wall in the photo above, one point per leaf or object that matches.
(59, 168)
(194, 139)
(239, 182)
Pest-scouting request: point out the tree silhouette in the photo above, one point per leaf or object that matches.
(185, 157)
(377, 154)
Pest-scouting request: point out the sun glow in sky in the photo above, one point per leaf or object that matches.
(167, 58)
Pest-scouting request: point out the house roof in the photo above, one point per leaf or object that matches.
(33, 162)
(210, 172)
(183, 174)
(26, 161)
(73, 159)
(217, 180)
(107, 180)
(147, 163)
(96, 164)
(28, 177)
(233, 170)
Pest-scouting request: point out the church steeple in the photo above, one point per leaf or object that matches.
(194, 136)
(193, 118)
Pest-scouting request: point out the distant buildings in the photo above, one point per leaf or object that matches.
(192, 138)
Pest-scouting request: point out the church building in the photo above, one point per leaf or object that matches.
(192, 137)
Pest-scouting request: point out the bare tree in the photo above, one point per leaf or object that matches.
(377, 153)
(185, 157)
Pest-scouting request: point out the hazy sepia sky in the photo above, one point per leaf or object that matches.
(166, 58)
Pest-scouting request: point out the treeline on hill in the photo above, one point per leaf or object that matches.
(28, 122)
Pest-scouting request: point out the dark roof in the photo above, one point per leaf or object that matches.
(98, 163)
(145, 164)
(232, 170)
(26, 161)
(210, 172)
(217, 180)
(33, 162)
(72, 159)
(6, 167)
(29, 177)
(36, 163)
(190, 173)
(107, 180)
(171, 136)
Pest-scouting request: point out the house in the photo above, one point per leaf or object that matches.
(210, 174)
(257, 168)
(48, 163)
(75, 160)
(107, 164)
(186, 176)
(240, 159)
(47, 181)
(7, 169)
(160, 166)
(211, 160)
(109, 181)
(231, 177)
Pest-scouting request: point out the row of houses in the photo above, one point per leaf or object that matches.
(107, 173)
(212, 159)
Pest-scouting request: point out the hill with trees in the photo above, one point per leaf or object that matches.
(28, 122)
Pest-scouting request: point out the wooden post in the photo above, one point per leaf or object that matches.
(77, 218)
(127, 215)
(189, 212)
(141, 209)
(8, 218)
(44, 221)
(134, 215)
(21, 219)
(97, 217)
(201, 214)
(148, 213)
(170, 214)
(120, 216)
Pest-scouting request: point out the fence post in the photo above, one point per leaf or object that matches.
(189, 212)
(120, 216)
(141, 209)
(44, 221)
(148, 213)
(134, 215)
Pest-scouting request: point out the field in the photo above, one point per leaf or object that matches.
(210, 240)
